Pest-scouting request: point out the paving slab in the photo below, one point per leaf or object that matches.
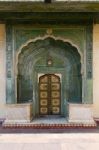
(72, 141)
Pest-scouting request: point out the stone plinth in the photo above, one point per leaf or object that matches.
(16, 113)
(81, 113)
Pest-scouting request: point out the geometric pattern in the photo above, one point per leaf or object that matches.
(49, 94)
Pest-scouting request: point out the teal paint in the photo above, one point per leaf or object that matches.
(75, 34)
(66, 61)
(37, 54)
(10, 90)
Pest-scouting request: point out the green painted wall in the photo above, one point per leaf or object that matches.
(66, 61)
(65, 53)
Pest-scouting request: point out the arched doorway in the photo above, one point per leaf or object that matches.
(49, 95)
(49, 56)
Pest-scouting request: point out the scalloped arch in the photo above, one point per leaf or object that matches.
(45, 37)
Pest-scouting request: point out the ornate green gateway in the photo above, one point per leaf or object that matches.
(34, 51)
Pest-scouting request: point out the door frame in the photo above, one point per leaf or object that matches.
(45, 70)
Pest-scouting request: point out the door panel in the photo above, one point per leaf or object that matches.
(49, 94)
(44, 94)
(55, 102)
(43, 110)
(43, 86)
(55, 110)
(55, 86)
(55, 94)
(54, 79)
(44, 79)
(43, 102)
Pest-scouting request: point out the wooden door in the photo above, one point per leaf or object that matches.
(49, 94)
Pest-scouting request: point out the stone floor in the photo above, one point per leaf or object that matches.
(72, 141)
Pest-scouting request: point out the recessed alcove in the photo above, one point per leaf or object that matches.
(33, 60)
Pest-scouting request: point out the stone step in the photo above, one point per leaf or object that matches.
(50, 122)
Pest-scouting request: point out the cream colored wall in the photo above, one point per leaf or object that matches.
(2, 70)
(96, 70)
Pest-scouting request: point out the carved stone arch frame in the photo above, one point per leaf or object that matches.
(43, 38)
(53, 37)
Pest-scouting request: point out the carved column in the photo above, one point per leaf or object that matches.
(89, 43)
(10, 94)
(89, 69)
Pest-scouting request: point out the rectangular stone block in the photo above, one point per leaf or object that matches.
(18, 113)
(81, 113)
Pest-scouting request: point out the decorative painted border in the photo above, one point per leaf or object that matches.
(51, 126)
(9, 65)
(89, 45)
